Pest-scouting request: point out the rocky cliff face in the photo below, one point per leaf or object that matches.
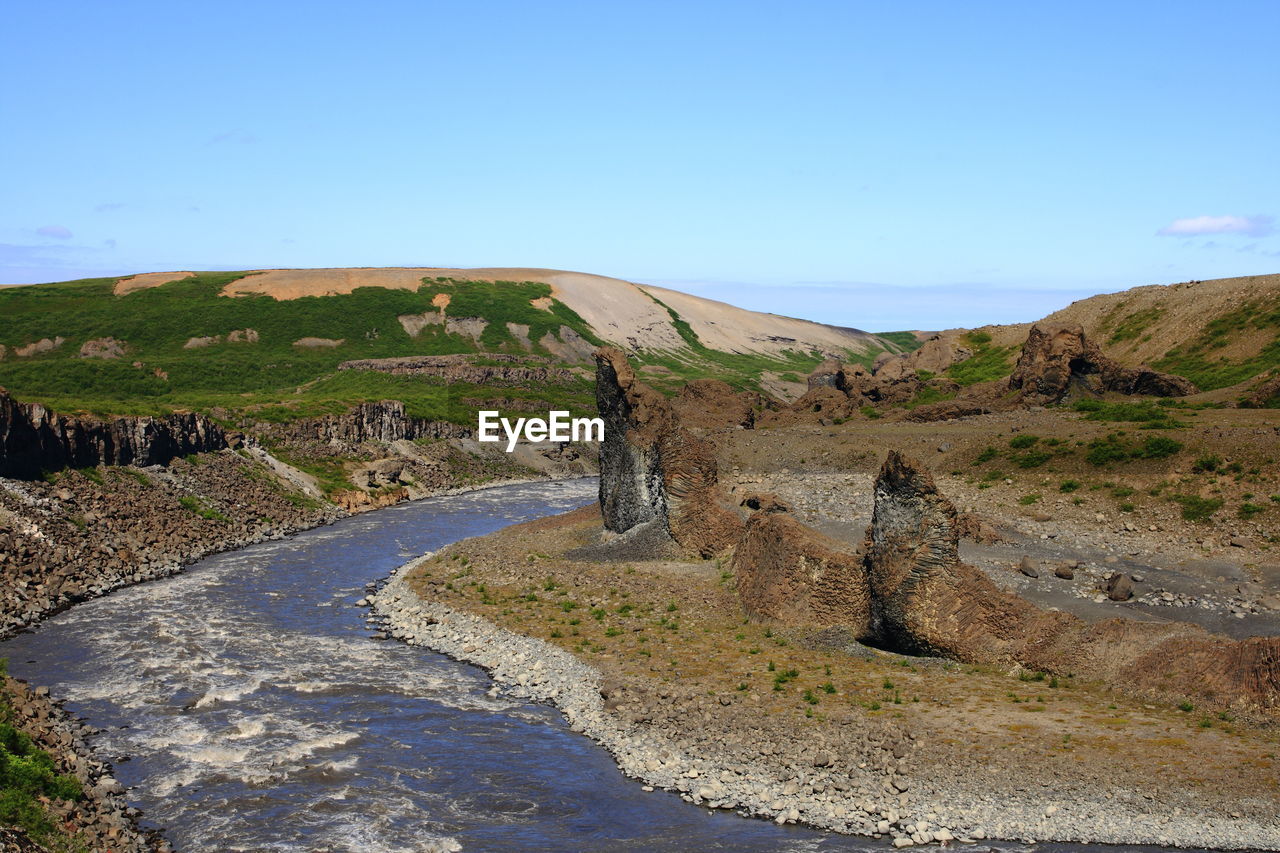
(34, 439)
(460, 368)
(1058, 361)
(652, 470)
(384, 421)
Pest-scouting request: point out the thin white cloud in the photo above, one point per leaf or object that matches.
(58, 232)
(1198, 226)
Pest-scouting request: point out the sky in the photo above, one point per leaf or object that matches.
(876, 165)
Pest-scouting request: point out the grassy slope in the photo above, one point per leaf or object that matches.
(287, 380)
(276, 380)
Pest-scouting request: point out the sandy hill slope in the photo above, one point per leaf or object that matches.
(621, 312)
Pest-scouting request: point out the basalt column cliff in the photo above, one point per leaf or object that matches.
(654, 472)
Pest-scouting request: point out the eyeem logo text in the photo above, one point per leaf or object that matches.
(557, 426)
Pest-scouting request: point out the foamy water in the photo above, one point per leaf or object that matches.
(247, 708)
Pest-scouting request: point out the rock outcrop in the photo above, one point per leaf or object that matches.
(653, 471)
(499, 369)
(934, 356)
(713, 404)
(1266, 395)
(385, 421)
(787, 571)
(102, 348)
(828, 374)
(1059, 361)
(923, 600)
(34, 439)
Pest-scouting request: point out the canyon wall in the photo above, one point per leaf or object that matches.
(34, 439)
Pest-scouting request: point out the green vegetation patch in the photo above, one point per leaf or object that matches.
(1116, 447)
(1196, 508)
(905, 341)
(987, 363)
(1151, 415)
(930, 394)
(1135, 325)
(1200, 360)
(27, 774)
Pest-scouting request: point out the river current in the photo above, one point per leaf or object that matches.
(246, 706)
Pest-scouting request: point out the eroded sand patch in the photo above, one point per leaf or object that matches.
(283, 285)
(147, 279)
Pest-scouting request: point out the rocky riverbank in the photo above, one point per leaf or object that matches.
(103, 819)
(957, 760)
(90, 532)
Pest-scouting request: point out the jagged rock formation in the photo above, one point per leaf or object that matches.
(935, 355)
(713, 404)
(34, 439)
(384, 421)
(924, 600)
(461, 369)
(652, 470)
(1058, 361)
(829, 374)
(788, 571)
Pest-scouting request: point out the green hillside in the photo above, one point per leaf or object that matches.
(274, 378)
(157, 374)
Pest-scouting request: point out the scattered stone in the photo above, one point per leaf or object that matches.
(1029, 567)
(1119, 587)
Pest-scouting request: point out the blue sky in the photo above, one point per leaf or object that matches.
(876, 165)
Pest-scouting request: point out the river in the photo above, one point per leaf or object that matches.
(247, 706)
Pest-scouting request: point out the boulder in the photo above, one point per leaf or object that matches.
(829, 374)
(764, 502)
(1119, 587)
